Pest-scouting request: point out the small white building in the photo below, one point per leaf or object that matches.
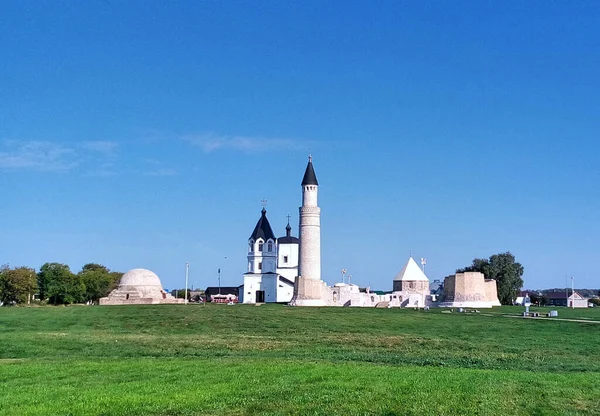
(411, 286)
(577, 301)
(272, 265)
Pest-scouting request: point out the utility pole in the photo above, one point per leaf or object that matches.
(573, 292)
(187, 268)
(219, 280)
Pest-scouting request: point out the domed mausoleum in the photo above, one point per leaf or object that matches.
(139, 287)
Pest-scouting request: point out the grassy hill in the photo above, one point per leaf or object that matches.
(272, 359)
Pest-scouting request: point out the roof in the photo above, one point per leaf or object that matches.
(411, 272)
(435, 287)
(309, 175)
(140, 277)
(263, 228)
(288, 239)
(224, 290)
(557, 295)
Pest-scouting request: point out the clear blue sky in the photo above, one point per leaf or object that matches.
(145, 134)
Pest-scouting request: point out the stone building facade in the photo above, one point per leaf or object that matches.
(139, 287)
(469, 290)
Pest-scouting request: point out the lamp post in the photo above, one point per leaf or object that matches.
(187, 268)
(344, 271)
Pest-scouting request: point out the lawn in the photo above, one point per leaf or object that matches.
(272, 359)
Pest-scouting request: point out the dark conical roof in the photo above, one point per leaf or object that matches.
(289, 238)
(309, 176)
(263, 228)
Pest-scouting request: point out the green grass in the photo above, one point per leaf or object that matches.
(186, 360)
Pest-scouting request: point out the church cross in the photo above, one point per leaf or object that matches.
(263, 203)
(288, 218)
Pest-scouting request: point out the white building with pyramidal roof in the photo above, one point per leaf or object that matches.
(411, 286)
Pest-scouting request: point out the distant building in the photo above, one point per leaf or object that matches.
(561, 299)
(469, 290)
(223, 294)
(436, 289)
(139, 287)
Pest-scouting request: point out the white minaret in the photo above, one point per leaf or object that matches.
(310, 226)
(309, 289)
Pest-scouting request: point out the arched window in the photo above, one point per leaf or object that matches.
(270, 246)
(251, 244)
(260, 245)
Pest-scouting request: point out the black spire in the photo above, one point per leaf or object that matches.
(263, 228)
(289, 238)
(309, 176)
(288, 229)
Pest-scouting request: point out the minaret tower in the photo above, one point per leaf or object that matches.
(309, 289)
(310, 226)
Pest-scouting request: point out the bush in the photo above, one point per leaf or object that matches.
(595, 301)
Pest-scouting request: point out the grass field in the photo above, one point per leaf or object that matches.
(272, 359)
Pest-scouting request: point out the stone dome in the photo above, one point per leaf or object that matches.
(140, 277)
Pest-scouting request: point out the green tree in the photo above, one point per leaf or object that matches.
(505, 270)
(17, 285)
(98, 281)
(59, 285)
(180, 293)
(94, 267)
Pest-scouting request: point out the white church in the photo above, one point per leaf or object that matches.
(272, 264)
(288, 269)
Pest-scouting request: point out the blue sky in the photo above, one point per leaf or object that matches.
(145, 134)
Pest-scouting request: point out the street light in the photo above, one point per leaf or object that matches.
(344, 271)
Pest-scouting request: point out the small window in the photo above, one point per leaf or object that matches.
(285, 259)
(270, 246)
(260, 266)
(260, 246)
(251, 244)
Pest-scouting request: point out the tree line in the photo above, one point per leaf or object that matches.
(56, 284)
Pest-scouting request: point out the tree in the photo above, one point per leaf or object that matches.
(17, 285)
(505, 270)
(180, 293)
(94, 267)
(59, 285)
(98, 281)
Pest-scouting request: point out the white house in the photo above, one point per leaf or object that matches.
(578, 301)
(272, 264)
